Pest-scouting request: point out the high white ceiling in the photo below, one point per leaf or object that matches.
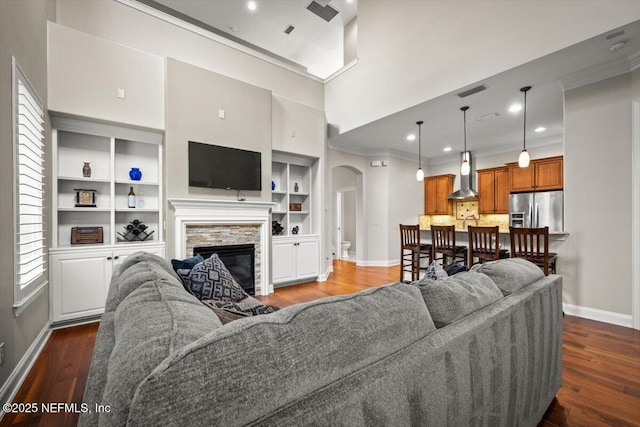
(317, 45)
(443, 120)
(314, 43)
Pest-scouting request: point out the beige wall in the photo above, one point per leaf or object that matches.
(597, 268)
(23, 35)
(194, 96)
(85, 73)
(412, 51)
(130, 27)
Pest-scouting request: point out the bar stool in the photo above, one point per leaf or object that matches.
(532, 244)
(484, 244)
(443, 240)
(410, 241)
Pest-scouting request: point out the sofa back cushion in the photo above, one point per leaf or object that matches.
(452, 298)
(154, 320)
(291, 352)
(140, 268)
(510, 274)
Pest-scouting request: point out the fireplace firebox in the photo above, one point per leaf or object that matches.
(239, 260)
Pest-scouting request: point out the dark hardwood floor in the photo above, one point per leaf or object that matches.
(601, 362)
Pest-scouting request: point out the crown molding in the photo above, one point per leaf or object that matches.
(600, 72)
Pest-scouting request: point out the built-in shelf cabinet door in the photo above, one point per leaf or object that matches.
(295, 258)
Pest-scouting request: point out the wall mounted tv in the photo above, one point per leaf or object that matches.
(213, 166)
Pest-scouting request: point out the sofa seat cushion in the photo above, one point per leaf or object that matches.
(153, 321)
(510, 274)
(292, 352)
(452, 298)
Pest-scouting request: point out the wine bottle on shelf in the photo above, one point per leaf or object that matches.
(132, 198)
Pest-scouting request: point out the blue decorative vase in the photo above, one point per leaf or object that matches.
(135, 174)
(273, 185)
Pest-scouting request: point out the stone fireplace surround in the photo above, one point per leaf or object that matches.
(190, 214)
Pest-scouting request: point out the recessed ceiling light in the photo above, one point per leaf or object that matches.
(514, 108)
(446, 149)
(349, 1)
(252, 5)
(411, 137)
(540, 129)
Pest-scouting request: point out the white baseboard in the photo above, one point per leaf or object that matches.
(324, 276)
(13, 383)
(599, 315)
(381, 263)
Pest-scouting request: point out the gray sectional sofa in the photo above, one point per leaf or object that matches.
(373, 358)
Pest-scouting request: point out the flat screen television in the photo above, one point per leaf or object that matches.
(213, 166)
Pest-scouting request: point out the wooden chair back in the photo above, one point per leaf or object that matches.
(531, 244)
(484, 243)
(443, 240)
(410, 237)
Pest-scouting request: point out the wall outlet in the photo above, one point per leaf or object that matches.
(1, 353)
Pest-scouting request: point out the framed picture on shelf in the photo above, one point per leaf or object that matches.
(85, 198)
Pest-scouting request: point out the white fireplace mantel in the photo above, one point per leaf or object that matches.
(225, 212)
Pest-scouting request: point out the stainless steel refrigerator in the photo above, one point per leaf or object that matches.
(538, 209)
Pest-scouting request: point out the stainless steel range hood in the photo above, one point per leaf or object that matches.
(466, 190)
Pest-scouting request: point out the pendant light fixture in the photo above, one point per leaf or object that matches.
(420, 172)
(465, 168)
(523, 160)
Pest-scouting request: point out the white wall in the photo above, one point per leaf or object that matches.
(23, 32)
(412, 51)
(597, 267)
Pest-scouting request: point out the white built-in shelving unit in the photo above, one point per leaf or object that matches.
(80, 273)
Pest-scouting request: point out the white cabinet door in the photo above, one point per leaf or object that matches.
(284, 261)
(79, 284)
(307, 259)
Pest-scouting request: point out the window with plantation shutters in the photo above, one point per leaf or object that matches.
(30, 253)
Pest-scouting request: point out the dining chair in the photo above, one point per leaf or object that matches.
(484, 244)
(443, 241)
(412, 251)
(532, 244)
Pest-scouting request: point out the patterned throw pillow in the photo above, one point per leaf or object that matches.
(210, 279)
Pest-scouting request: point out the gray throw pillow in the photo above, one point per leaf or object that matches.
(452, 298)
(510, 274)
(210, 279)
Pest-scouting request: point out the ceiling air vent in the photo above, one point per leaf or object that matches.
(472, 91)
(325, 12)
(289, 29)
(614, 35)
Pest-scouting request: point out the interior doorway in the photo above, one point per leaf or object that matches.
(347, 235)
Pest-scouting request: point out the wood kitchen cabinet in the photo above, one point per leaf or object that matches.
(493, 190)
(436, 190)
(542, 174)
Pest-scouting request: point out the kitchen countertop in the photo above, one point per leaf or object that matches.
(559, 235)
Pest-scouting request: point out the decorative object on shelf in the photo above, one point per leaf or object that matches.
(295, 207)
(86, 235)
(465, 168)
(273, 185)
(420, 172)
(523, 160)
(135, 231)
(296, 188)
(135, 174)
(140, 204)
(276, 228)
(131, 202)
(86, 170)
(85, 198)
(295, 230)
